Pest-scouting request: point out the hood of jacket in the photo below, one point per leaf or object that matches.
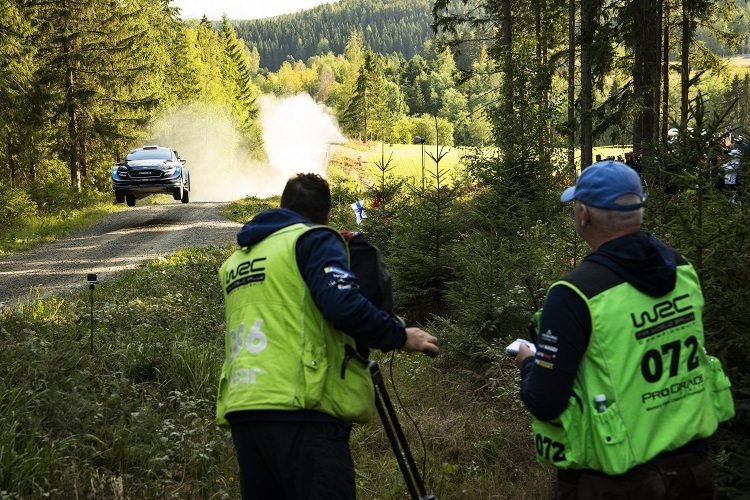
(266, 223)
(642, 260)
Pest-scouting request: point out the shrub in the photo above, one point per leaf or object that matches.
(52, 198)
(16, 206)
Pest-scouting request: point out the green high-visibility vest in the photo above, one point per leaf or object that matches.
(281, 354)
(646, 357)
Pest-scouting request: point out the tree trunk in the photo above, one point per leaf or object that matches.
(541, 57)
(71, 109)
(665, 73)
(685, 67)
(658, 49)
(651, 72)
(508, 65)
(75, 172)
(646, 72)
(32, 160)
(638, 85)
(82, 154)
(587, 41)
(11, 163)
(571, 85)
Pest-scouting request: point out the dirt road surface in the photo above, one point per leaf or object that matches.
(119, 241)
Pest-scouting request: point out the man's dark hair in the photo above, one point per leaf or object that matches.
(309, 196)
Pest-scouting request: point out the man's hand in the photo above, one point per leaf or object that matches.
(523, 352)
(418, 340)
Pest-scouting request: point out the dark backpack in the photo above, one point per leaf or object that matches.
(368, 265)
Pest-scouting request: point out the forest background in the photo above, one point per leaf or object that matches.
(521, 95)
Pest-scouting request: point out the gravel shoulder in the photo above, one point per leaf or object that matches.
(119, 241)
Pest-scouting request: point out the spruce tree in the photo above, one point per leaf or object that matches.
(367, 113)
(237, 79)
(16, 84)
(102, 66)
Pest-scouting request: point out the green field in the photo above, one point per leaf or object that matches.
(360, 162)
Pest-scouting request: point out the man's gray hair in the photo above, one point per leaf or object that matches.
(618, 218)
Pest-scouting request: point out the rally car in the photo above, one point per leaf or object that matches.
(150, 170)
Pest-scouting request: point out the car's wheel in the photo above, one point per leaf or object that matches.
(119, 197)
(130, 199)
(177, 193)
(185, 196)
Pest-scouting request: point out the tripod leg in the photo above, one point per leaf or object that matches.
(398, 441)
(396, 449)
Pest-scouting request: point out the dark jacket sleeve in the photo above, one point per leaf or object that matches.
(564, 333)
(323, 263)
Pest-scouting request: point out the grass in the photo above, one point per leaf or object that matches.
(738, 64)
(134, 418)
(47, 228)
(358, 161)
(476, 440)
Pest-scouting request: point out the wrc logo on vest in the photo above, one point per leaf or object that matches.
(663, 317)
(255, 342)
(249, 271)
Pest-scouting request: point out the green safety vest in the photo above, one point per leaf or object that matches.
(646, 356)
(281, 353)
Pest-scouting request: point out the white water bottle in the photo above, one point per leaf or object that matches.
(600, 403)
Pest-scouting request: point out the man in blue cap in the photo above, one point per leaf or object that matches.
(622, 393)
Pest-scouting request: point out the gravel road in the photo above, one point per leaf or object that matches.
(119, 241)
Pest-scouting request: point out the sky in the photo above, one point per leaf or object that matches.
(242, 9)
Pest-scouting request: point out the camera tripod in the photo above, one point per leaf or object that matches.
(396, 437)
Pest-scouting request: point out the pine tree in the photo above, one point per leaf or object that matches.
(380, 114)
(102, 68)
(16, 72)
(237, 78)
(367, 113)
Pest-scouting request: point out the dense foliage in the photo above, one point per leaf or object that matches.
(400, 27)
(84, 81)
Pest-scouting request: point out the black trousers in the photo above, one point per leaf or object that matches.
(294, 460)
(672, 477)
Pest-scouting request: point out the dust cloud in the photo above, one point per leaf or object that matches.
(297, 135)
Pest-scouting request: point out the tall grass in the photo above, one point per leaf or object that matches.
(358, 161)
(134, 418)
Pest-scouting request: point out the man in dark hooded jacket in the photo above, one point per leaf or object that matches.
(622, 393)
(291, 385)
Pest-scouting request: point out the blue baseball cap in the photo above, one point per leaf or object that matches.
(602, 183)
